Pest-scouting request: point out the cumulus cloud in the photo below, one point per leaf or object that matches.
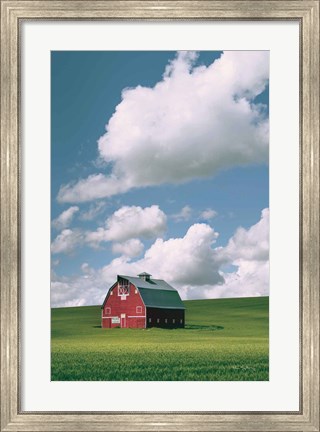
(251, 244)
(248, 250)
(130, 222)
(78, 291)
(66, 241)
(177, 260)
(190, 259)
(127, 223)
(208, 214)
(65, 218)
(130, 248)
(250, 280)
(192, 264)
(183, 215)
(194, 122)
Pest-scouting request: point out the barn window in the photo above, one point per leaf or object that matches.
(108, 310)
(166, 320)
(123, 289)
(158, 320)
(139, 309)
(181, 321)
(149, 320)
(173, 321)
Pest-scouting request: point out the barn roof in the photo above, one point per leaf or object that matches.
(149, 284)
(156, 293)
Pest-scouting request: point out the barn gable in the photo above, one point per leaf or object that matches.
(108, 293)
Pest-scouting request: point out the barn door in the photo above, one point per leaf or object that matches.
(123, 320)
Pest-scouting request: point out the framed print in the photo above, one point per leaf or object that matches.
(149, 152)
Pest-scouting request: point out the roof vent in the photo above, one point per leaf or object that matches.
(144, 276)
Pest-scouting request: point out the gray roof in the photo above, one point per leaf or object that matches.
(150, 284)
(156, 293)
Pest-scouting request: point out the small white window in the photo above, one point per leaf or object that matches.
(158, 320)
(173, 321)
(108, 310)
(136, 291)
(181, 321)
(139, 309)
(149, 320)
(166, 320)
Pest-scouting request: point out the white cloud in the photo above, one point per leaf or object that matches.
(178, 261)
(183, 215)
(193, 123)
(249, 251)
(251, 244)
(66, 241)
(78, 291)
(123, 225)
(88, 288)
(190, 259)
(208, 214)
(95, 238)
(191, 264)
(250, 280)
(130, 248)
(86, 268)
(130, 222)
(65, 218)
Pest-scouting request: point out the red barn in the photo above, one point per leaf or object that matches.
(141, 302)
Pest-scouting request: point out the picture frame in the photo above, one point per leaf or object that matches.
(13, 13)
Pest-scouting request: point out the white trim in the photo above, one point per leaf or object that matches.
(129, 316)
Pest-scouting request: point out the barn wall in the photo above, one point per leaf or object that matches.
(165, 318)
(121, 311)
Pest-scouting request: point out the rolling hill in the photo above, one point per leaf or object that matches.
(224, 340)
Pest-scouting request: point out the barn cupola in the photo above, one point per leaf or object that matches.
(145, 276)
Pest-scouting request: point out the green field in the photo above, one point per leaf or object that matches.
(224, 340)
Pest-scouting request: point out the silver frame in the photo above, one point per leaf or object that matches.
(307, 14)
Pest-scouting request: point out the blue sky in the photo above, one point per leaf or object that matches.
(146, 146)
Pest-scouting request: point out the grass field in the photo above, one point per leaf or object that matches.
(224, 340)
